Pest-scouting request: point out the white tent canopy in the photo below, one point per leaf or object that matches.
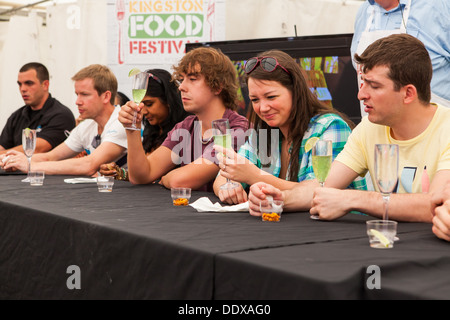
(67, 35)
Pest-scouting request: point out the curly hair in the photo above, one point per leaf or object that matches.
(218, 70)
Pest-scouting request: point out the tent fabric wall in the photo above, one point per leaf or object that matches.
(75, 36)
(22, 43)
(253, 19)
(77, 39)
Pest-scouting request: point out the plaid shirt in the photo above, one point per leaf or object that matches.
(327, 126)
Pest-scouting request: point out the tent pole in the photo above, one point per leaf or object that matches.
(11, 11)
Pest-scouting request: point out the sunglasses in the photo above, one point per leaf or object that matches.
(151, 75)
(268, 64)
(96, 141)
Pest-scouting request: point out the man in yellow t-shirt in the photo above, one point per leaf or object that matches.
(396, 93)
(430, 149)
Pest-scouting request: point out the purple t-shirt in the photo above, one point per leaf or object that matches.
(185, 140)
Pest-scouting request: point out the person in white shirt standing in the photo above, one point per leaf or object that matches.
(100, 133)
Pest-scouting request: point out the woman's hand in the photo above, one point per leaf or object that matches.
(126, 114)
(233, 196)
(235, 167)
(109, 169)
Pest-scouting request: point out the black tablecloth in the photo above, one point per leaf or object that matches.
(134, 244)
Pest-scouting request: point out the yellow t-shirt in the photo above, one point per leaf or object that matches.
(430, 149)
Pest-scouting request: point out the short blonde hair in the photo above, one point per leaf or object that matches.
(104, 79)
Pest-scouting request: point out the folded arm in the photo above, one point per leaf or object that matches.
(62, 161)
(238, 168)
(441, 212)
(332, 203)
(42, 145)
(295, 199)
(16, 160)
(193, 175)
(145, 169)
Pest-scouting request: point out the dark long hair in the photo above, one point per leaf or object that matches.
(168, 93)
(305, 104)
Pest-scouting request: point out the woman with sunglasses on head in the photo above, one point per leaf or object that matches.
(285, 114)
(162, 109)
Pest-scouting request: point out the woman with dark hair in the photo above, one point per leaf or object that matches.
(162, 109)
(285, 115)
(121, 99)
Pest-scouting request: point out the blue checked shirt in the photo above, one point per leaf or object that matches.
(429, 21)
(327, 126)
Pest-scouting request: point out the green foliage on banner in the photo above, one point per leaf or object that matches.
(167, 26)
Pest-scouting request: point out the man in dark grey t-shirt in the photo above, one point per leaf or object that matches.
(208, 85)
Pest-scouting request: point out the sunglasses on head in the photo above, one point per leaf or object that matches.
(268, 64)
(151, 75)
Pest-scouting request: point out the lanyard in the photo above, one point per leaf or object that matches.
(405, 17)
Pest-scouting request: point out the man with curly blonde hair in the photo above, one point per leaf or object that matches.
(207, 81)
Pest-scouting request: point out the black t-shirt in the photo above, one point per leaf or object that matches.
(50, 122)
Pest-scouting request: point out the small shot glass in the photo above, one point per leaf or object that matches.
(105, 183)
(180, 196)
(271, 210)
(36, 178)
(381, 233)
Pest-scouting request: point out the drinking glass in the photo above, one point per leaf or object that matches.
(180, 196)
(322, 154)
(140, 83)
(105, 183)
(222, 137)
(28, 144)
(386, 171)
(382, 233)
(271, 209)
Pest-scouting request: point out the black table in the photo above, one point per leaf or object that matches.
(134, 244)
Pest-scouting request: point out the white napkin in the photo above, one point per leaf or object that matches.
(205, 205)
(81, 180)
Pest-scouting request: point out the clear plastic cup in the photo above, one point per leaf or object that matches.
(180, 196)
(381, 233)
(105, 183)
(36, 178)
(271, 210)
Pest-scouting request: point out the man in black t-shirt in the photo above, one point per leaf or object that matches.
(42, 112)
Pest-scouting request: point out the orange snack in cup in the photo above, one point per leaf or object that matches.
(273, 217)
(181, 202)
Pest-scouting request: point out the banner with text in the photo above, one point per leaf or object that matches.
(156, 31)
